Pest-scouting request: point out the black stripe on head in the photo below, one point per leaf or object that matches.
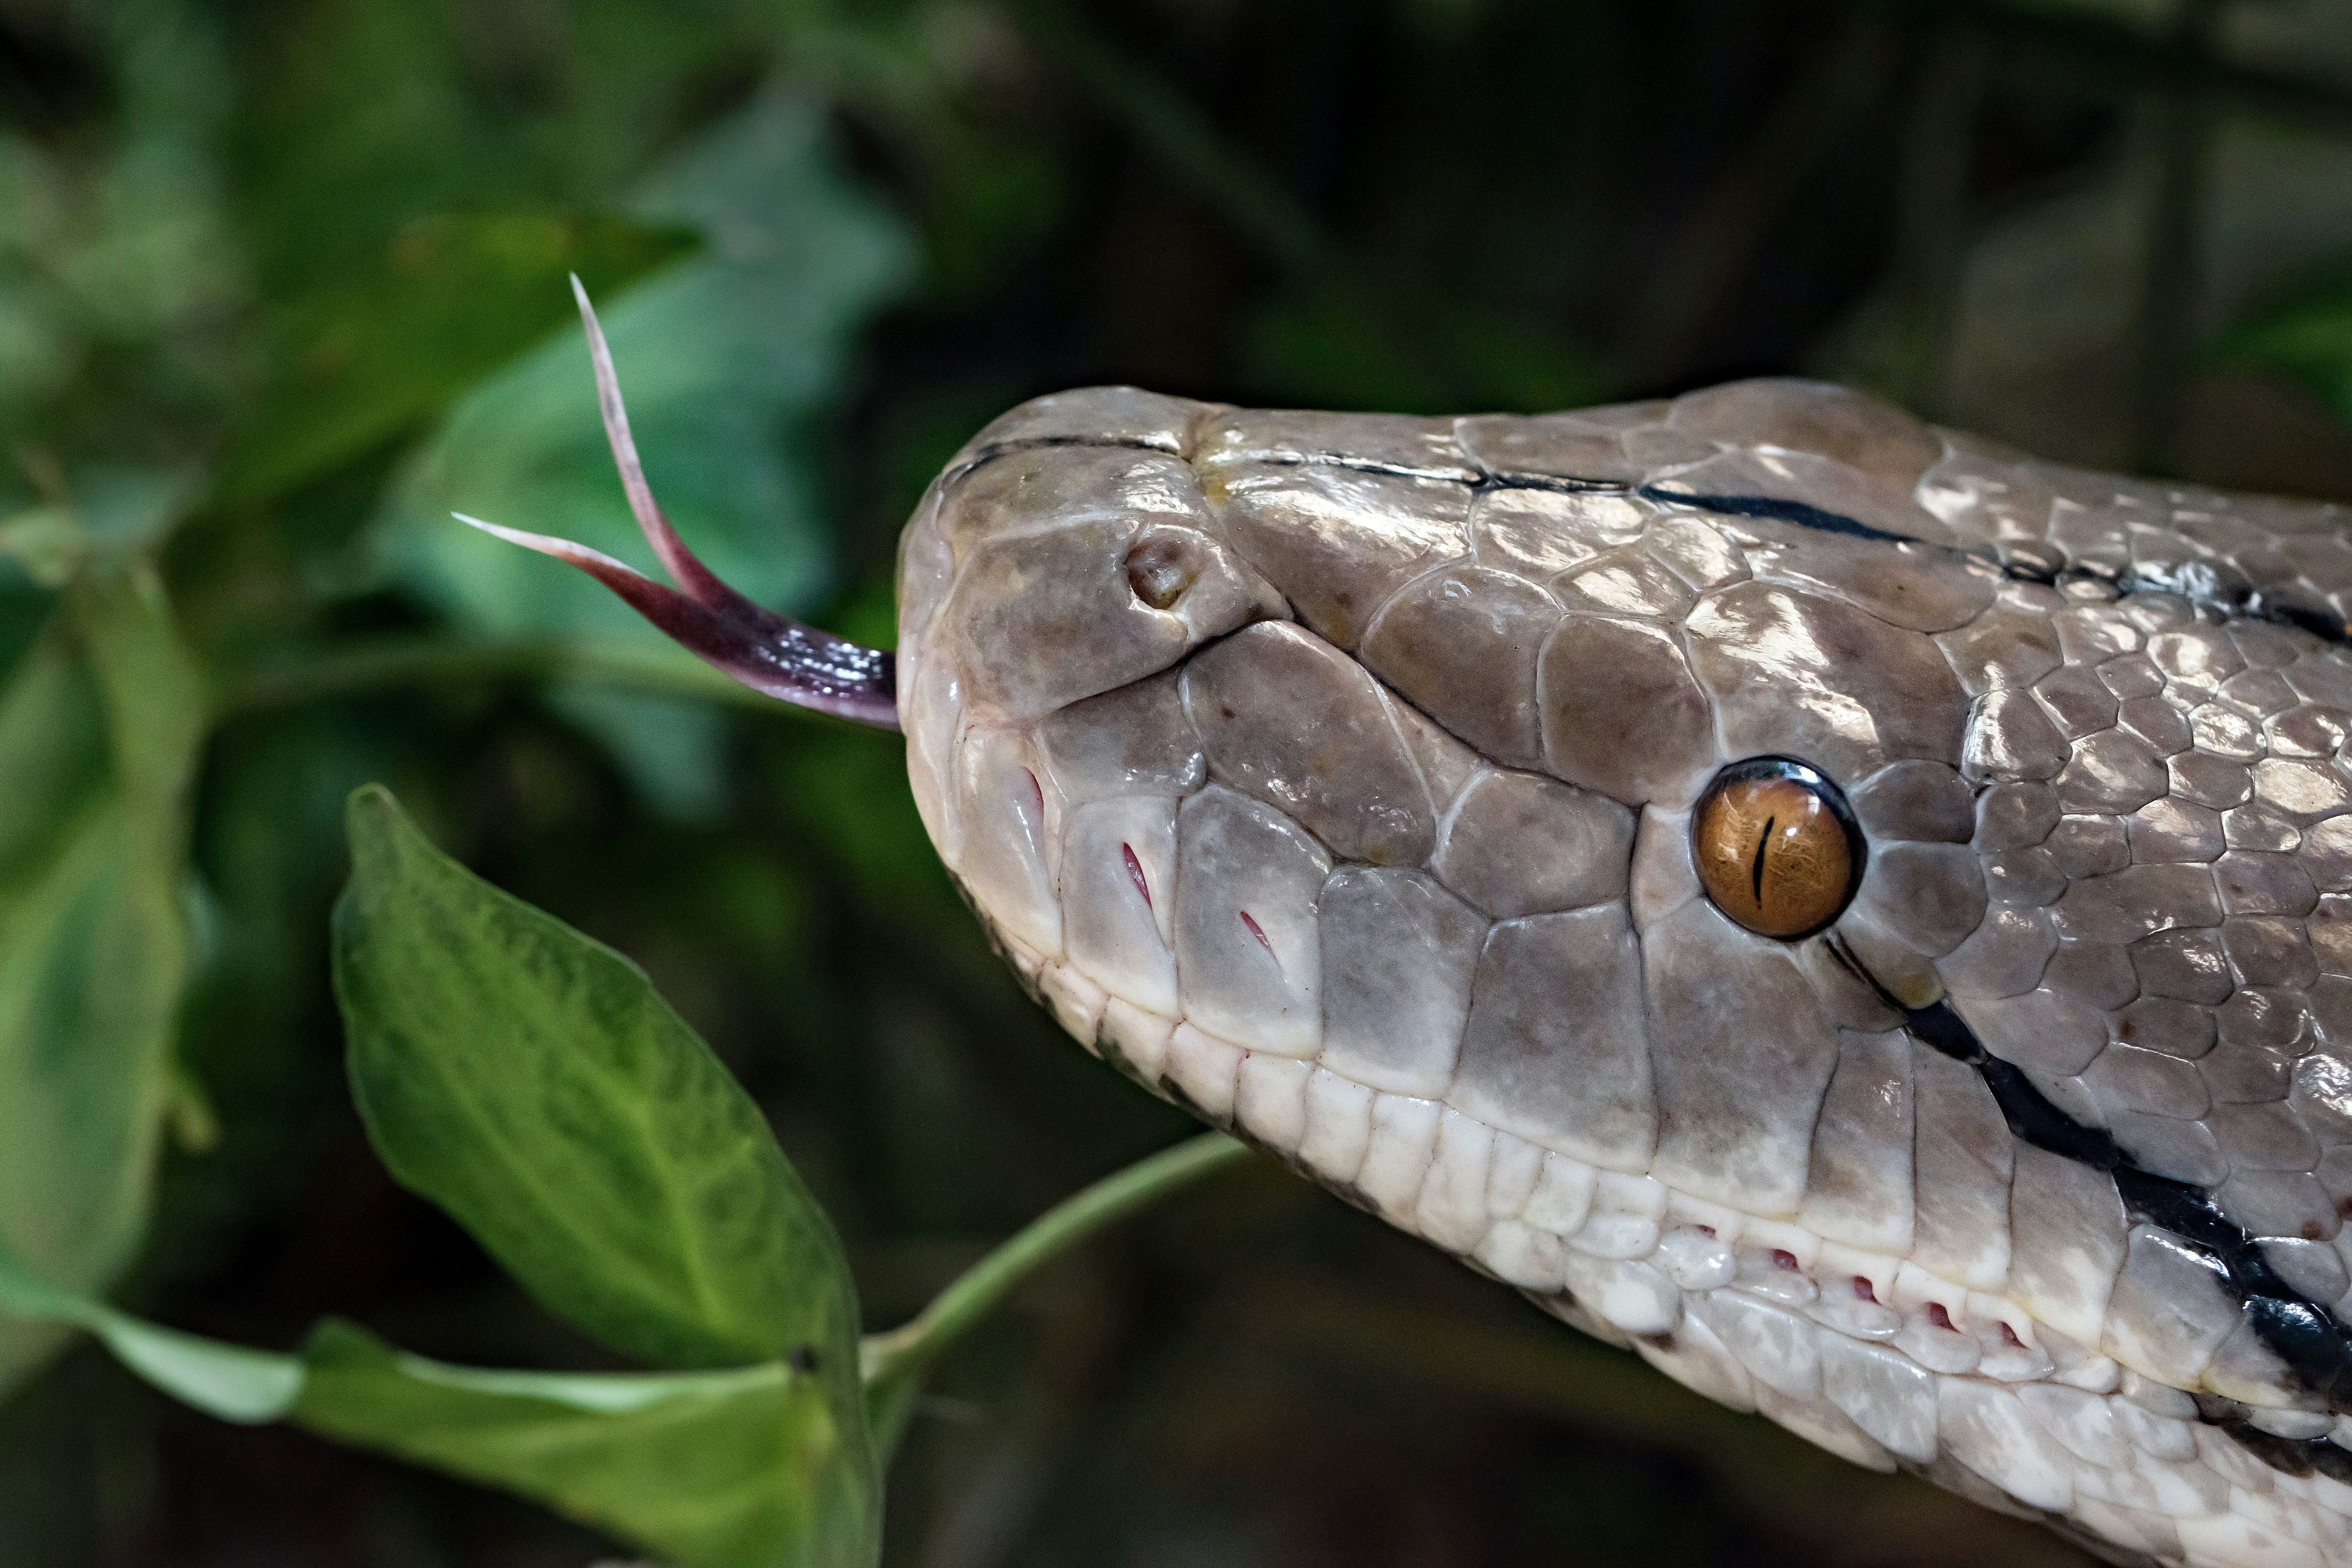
(1558, 484)
(2286, 605)
(1802, 513)
(2296, 1455)
(2303, 1334)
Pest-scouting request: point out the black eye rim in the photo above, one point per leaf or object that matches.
(1773, 766)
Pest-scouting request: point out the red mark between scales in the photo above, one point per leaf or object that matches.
(1257, 932)
(1135, 874)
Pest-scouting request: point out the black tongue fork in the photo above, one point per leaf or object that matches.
(771, 654)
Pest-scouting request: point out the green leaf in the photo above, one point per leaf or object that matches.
(230, 1382)
(450, 299)
(154, 701)
(742, 1468)
(750, 1469)
(99, 724)
(535, 1084)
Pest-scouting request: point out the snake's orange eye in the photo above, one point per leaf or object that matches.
(1777, 850)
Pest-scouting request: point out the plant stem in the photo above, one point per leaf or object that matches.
(904, 1351)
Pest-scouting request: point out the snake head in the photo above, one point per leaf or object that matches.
(770, 653)
(1821, 901)
(1824, 902)
(1348, 777)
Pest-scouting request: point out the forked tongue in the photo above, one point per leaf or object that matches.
(770, 653)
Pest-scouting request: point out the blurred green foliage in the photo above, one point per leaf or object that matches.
(2304, 330)
(98, 730)
(282, 283)
(531, 1083)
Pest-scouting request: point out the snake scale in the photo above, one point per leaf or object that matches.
(1853, 913)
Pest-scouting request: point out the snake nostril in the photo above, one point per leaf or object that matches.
(1159, 571)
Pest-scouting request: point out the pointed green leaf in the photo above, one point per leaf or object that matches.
(728, 1469)
(535, 1084)
(227, 1380)
(747, 1469)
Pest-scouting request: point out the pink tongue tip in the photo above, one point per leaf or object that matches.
(770, 653)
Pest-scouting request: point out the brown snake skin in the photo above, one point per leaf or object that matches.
(1333, 775)
(1373, 787)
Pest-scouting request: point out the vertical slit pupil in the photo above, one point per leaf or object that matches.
(1777, 815)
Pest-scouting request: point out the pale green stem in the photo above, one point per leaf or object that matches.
(978, 1291)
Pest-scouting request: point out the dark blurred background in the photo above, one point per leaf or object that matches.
(282, 283)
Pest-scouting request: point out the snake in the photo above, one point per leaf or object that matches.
(1846, 910)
